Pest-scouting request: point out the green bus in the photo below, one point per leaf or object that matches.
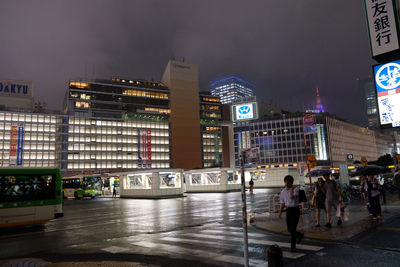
(29, 196)
(79, 187)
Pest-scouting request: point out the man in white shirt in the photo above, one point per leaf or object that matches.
(289, 198)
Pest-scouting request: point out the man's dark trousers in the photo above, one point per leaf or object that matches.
(292, 219)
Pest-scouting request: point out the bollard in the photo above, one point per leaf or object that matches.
(274, 256)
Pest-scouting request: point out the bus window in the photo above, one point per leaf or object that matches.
(71, 183)
(27, 187)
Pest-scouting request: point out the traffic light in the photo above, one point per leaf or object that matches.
(311, 161)
(364, 161)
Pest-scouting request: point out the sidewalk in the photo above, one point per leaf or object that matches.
(358, 221)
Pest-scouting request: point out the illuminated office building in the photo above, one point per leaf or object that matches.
(107, 145)
(281, 141)
(77, 144)
(231, 88)
(29, 140)
(116, 98)
(117, 124)
(211, 130)
(367, 88)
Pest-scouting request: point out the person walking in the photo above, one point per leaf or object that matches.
(251, 185)
(332, 195)
(289, 198)
(373, 196)
(319, 199)
(397, 181)
(114, 191)
(382, 192)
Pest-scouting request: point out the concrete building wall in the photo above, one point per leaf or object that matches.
(182, 81)
(345, 138)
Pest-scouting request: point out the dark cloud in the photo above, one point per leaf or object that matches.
(286, 48)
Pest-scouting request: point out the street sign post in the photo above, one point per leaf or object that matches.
(309, 127)
(247, 156)
(350, 158)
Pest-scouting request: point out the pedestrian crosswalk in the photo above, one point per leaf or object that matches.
(213, 243)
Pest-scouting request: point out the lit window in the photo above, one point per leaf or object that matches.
(79, 84)
(82, 105)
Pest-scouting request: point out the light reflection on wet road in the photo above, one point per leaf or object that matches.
(104, 219)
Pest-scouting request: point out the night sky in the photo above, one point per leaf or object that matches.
(286, 48)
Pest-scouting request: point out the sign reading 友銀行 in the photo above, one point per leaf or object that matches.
(382, 28)
(387, 82)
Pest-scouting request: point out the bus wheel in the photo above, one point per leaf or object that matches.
(76, 195)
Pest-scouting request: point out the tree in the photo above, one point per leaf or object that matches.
(384, 161)
(40, 107)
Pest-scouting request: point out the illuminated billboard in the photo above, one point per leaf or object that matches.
(245, 111)
(387, 82)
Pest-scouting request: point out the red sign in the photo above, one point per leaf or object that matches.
(308, 120)
(146, 148)
(13, 144)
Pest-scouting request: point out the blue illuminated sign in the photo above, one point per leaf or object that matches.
(244, 112)
(387, 82)
(20, 145)
(387, 76)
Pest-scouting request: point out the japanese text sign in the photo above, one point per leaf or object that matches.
(382, 26)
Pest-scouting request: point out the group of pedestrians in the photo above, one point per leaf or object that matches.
(328, 197)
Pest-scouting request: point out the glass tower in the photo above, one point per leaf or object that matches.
(230, 88)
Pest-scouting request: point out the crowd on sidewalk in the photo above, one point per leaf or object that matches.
(327, 197)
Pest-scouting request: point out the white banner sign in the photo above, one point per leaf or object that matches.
(382, 26)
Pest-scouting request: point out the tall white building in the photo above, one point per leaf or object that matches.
(231, 88)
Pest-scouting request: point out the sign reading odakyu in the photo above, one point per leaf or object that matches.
(387, 82)
(15, 88)
(246, 111)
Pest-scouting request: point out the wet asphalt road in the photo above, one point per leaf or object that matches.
(98, 221)
(197, 230)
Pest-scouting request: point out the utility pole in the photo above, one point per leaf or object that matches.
(244, 209)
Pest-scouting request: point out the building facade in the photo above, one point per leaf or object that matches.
(367, 88)
(183, 83)
(282, 141)
(211, 130)
(116, 98)
(120, 124)
(29, 140)
(79, 144)
(231, 88)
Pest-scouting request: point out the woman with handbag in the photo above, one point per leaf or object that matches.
(319, 200)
